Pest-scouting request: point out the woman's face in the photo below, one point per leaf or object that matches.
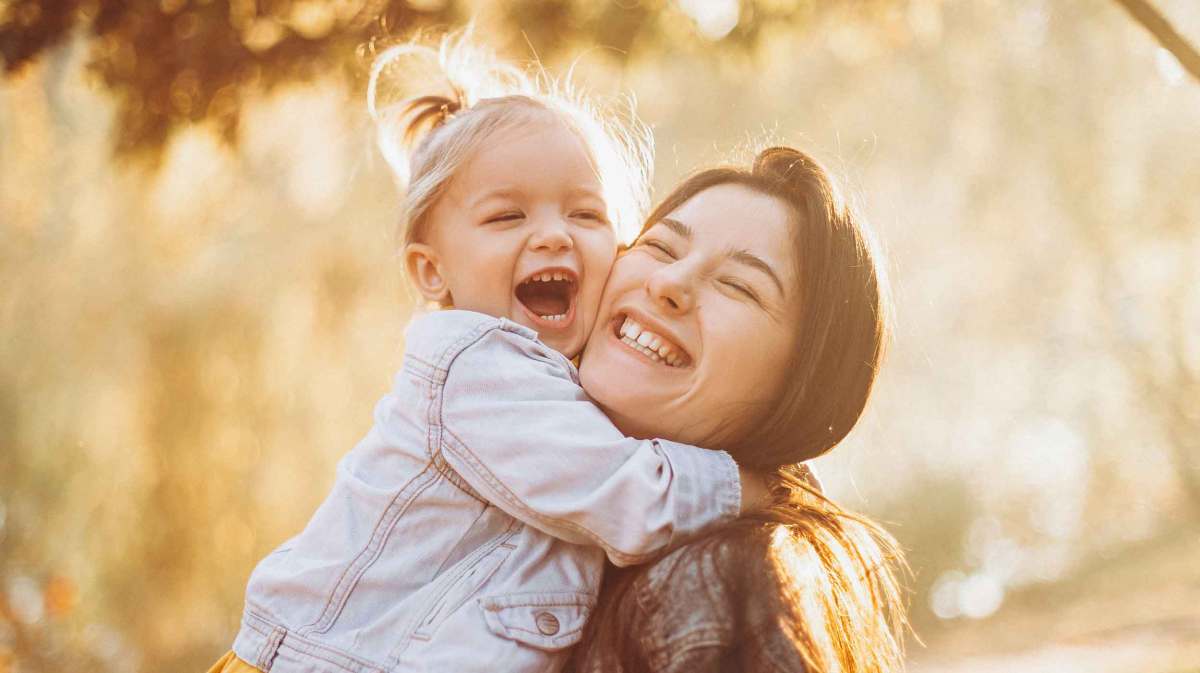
(697, 320)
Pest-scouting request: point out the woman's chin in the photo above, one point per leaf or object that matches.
(612, 393)
(633, 421)
(635, 411)
(639, 395)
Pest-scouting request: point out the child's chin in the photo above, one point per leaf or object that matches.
(568, 345)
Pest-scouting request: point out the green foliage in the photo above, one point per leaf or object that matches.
(174, 62)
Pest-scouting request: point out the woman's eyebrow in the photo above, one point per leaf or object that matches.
(754, 261)
(676, 226)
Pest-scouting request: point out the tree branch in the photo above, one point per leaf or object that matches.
(1162, 30)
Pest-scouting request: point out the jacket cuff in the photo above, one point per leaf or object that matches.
(708, 489)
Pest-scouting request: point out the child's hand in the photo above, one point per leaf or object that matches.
(756, 494)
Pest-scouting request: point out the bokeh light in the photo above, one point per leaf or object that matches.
(191, 340)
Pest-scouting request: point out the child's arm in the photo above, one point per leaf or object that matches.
(520, 431)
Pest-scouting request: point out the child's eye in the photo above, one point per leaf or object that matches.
(592, 215)
(506, 216)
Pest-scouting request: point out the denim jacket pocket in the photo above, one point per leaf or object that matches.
(549, 621)
(467, 581)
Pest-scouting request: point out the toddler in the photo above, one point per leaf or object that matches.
(468, 530)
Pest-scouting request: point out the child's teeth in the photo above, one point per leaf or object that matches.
(645, 338)
(549, 276)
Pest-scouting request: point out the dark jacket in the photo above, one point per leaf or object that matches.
(710, 605)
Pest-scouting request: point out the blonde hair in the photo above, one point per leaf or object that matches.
(426, 136)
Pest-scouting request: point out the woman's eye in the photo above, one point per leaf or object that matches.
(740, 288)
(658, 245)
(507, 216)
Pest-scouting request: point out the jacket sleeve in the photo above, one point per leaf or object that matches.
(518, 428)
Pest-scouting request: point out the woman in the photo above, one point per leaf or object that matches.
(740, 271)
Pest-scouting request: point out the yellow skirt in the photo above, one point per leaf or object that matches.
(231, 664)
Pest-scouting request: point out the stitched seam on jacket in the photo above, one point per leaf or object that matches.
(421, 369)
(413, 626)
(251, 620)
(330, 655)
(444, 469)
(463, 342)
(433, 429)
(436, 420)
(708, 636)
(766, 653)
(260, 657)
(469, 457)
(367, 556)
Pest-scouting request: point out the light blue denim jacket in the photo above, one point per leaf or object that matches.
(468, 530)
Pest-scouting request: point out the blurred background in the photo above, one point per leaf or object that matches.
(199, 301)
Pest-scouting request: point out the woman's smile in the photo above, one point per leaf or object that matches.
(652, 345)
(648, 336)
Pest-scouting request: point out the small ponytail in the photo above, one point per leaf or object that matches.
(434, 103)
(415, 88)
(429, 111)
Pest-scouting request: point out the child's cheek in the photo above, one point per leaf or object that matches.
(602, 275)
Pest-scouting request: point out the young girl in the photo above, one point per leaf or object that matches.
(468, 530)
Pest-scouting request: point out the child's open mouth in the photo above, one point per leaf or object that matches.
(548, 296)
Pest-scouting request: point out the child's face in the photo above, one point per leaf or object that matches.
(522, 232)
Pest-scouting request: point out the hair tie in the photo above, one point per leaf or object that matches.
(427, 113)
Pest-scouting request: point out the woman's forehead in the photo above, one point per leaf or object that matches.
(732, 213)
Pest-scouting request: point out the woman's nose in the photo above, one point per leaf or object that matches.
(550, 235)
(670, 288)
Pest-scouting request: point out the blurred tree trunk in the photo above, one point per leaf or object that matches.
(1152, 20)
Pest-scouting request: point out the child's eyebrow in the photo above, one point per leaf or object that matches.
(501, 193)
(584, 190)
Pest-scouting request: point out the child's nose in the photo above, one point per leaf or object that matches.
(551, 235)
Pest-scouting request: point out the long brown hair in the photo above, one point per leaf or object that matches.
(841, 339)
(836, 586)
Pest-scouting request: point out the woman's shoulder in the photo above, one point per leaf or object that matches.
(716, 580)
(719, 596)
(731, 557)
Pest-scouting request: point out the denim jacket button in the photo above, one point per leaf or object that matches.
(546, 623)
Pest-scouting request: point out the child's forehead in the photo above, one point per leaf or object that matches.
(544, 149)
(537, 126)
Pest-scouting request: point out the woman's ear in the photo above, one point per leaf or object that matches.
(424, 269)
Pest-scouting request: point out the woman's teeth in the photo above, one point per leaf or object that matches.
(650, 344)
